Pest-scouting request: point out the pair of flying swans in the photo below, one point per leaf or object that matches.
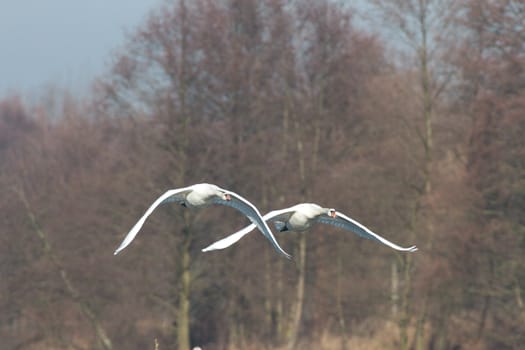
(297, 218)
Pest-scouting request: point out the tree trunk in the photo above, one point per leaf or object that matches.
(394, 291)
(301, 259)
(420, 326)
(404, 317)
(428, 106)
(340, 311)
(406, 268)
(279, 316)
(268, 285)
(299, 296)
(183, 315)
(280, 319)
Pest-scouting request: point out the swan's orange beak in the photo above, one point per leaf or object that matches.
(227, 197)
(333, 213)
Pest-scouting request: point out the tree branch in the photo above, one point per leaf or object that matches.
(70, 288)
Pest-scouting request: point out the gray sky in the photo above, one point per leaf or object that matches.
(62, 42)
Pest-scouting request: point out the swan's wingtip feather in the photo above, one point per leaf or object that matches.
(212, 247)
(119, 249)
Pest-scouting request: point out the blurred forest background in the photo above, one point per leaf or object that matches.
(414, 126)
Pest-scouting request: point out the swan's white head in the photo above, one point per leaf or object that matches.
(332, 213)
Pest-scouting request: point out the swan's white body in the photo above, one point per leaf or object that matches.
(203, 195)
(301, 217)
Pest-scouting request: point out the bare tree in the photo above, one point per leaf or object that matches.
(491, 93)
(420, 26)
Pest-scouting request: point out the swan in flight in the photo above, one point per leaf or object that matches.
(300, 217)
(203, 195)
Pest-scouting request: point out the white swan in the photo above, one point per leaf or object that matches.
(300, 217)
(203, 195)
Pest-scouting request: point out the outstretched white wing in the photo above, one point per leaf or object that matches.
(248, 209)
(233, 238)
(170, 195)
(347, 223)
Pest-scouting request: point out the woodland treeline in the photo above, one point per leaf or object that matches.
(413, 124)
